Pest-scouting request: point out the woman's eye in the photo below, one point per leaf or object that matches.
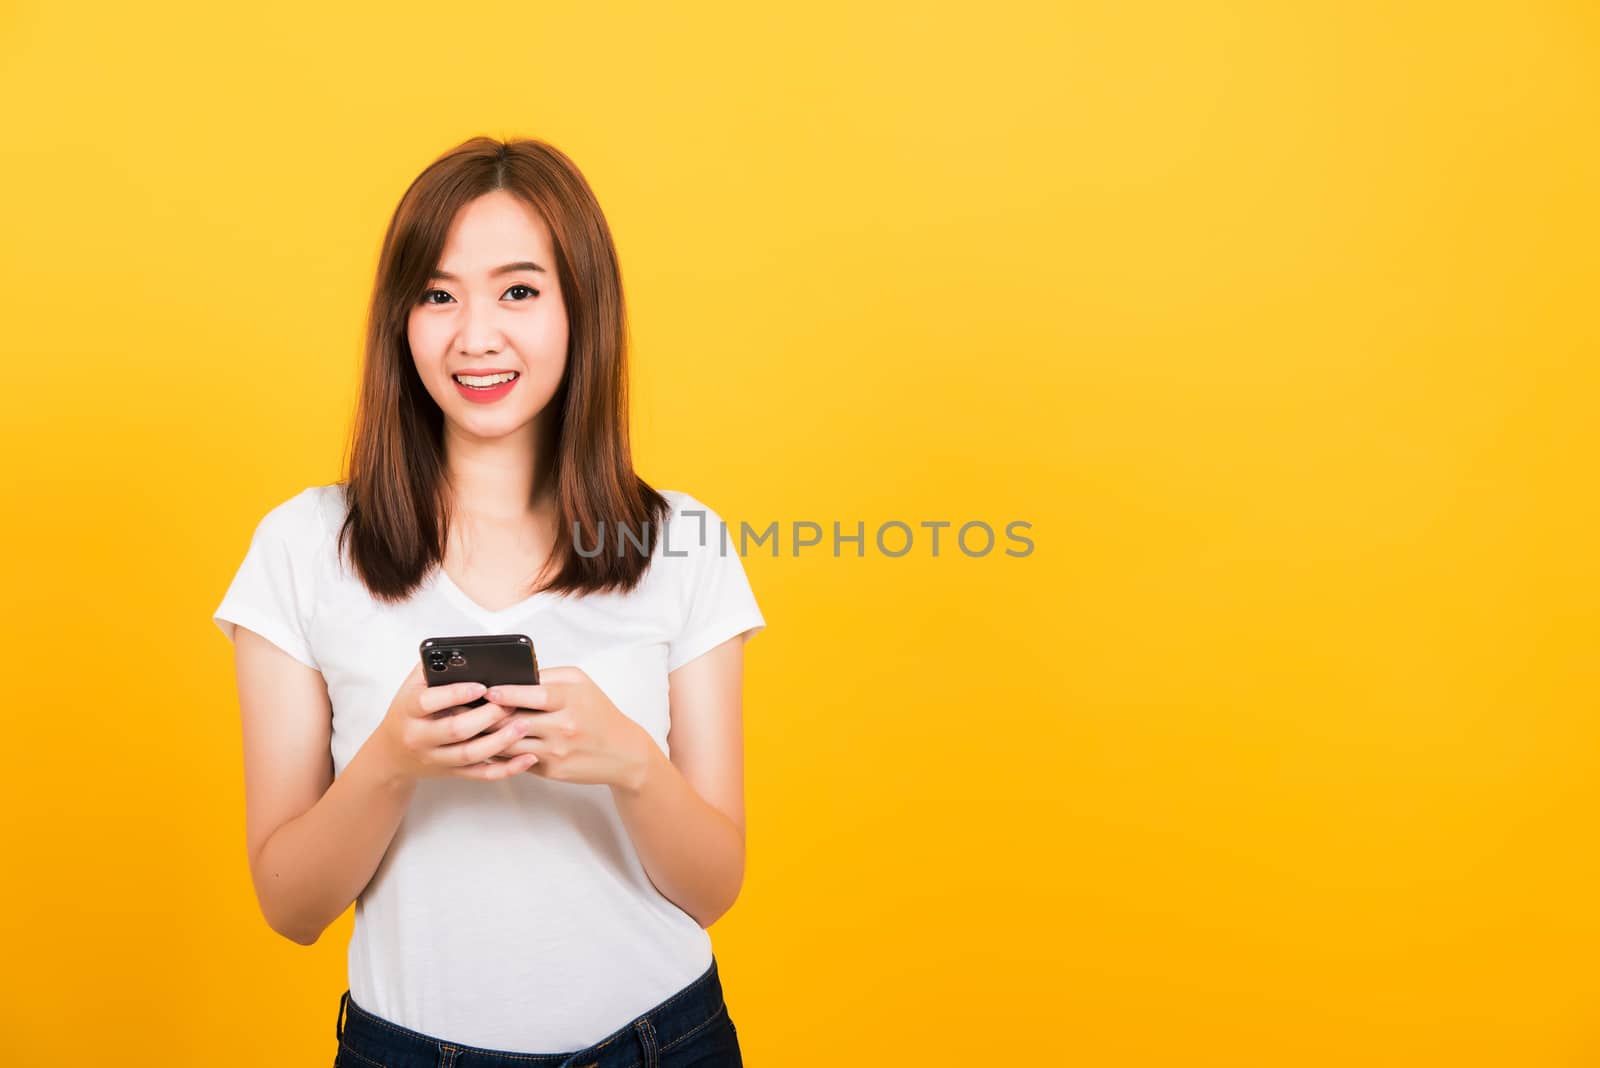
(428, 294)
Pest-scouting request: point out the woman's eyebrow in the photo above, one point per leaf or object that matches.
(522, 265)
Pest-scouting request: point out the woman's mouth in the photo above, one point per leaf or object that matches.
(482, 389)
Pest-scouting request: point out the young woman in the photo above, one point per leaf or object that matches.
(533, 876)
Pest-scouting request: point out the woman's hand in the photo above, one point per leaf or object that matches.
(427, 734)
(574, 730)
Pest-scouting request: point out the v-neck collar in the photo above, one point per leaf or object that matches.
(492, 619)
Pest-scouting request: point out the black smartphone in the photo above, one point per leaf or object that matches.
(492, 659)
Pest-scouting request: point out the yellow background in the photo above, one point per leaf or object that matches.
(1274, 320)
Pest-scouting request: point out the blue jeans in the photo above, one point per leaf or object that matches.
(691, 1029)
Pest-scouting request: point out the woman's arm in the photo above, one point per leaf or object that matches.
(686, 815)
(313, 840)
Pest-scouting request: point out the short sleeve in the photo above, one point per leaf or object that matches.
(273, 593)
(717, 600)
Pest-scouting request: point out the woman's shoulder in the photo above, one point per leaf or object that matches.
(674, 497)
(309, 516)
(695, 529)
(687, 512)
(685, 504)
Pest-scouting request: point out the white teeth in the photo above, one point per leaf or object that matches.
(485, 380)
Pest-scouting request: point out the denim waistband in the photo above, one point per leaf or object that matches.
(366, 1039)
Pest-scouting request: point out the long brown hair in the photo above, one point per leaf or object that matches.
(395, 487)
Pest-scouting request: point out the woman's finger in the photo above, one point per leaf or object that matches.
(495, 768)
(538, 697)
(463, 724)
(480, 748)
(435, 698)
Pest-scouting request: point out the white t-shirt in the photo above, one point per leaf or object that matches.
(516, 914)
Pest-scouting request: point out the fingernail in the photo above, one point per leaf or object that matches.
(477, 689)
(494, 694)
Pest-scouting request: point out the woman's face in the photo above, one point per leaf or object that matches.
(493, 306)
